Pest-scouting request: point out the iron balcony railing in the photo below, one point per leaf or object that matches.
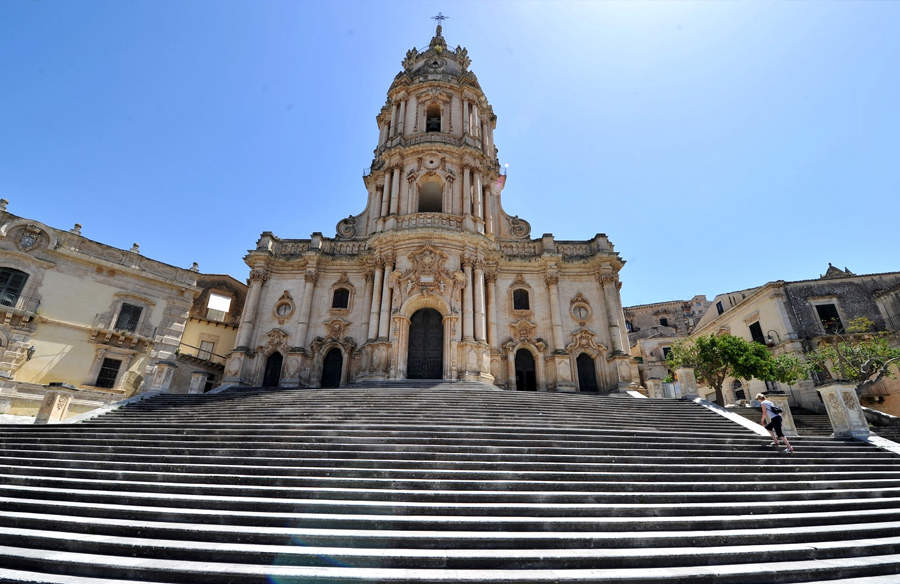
(893, 322)
(202, 354)
(25, 304)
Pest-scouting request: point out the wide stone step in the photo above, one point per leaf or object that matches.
(437, 484)
(202, 572)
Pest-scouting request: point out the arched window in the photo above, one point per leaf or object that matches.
(341, 298)
(738, 389)
(11, 284)
(520, 299)
(433, 118)
(431, 198)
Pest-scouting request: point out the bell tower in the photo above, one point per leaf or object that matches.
(435, 151)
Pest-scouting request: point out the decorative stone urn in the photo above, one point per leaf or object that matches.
(846, 415)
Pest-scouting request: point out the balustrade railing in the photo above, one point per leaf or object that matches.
(430, 220)
(521, 248)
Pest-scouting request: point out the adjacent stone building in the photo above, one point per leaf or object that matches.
(433, 279)
(77, 313)
(796, 317)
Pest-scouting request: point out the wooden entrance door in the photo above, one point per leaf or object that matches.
(425, 358)
(331, 368)
(526, 380)
(272, 376)
(587, 373)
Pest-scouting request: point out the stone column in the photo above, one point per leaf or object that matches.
(488, 211)
(608, 281)
(382, 133)
(555, 315)
(385, 321)
(311, 278)
(198, 382)
(393, 129)
(54, 407)
(466, 127)
(375, 310)
(467, 191)
(490, 279)
(479, 195)
(386, 193)
(484, 141)
(367, 302)
(258, 275)
(454, 195)
(844, 411)
(468, 323)
(395, 191)
(402, 121)
(479, 302)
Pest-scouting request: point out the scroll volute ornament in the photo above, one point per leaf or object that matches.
(427, 276)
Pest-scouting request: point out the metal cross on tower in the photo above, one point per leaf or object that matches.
(439, 19)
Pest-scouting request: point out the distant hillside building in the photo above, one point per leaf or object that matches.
(652, 328)
(433, 279)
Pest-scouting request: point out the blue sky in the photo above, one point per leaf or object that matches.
(720, 145)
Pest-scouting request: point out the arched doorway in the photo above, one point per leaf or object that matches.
(331, 368)
(526, 379)
(272, 376)
(425, 357)
(587, 373)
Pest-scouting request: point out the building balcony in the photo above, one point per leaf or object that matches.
(103, 330)
(201, 357)
(19, 310)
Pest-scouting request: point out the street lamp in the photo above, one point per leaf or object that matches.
(29, 353)
(770, 340)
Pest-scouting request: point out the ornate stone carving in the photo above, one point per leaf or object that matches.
(311, 276)
(462, 55)
(585, 339)
(410, 58)
(276, 340)
(347, 227)
(607, 278)
(29, 237)
(258, 275)
(343, 282)
(426, 276)
(848, 400)
(551, 279)
(523, 330)
(490, 277)
(520, 282)
(580, 309)
(519, 228)
(336, 328)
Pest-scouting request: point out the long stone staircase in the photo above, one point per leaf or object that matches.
(450, 483)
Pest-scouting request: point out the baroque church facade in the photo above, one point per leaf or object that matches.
(433, 280)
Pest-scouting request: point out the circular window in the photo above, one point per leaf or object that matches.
(284, 309)
(581, 312)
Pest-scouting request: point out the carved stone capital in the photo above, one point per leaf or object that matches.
(259, 275)
(370, 277)
(490, 277)
(311, 276)
(607, 278)
(552, 279)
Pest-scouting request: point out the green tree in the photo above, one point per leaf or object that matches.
(716, 358)
(858, 354)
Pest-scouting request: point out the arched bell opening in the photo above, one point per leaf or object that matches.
(433, 118)
(587, 373)
(425, 352)
(272, 374)
(526, 375)
(332, 368)
(431, 198)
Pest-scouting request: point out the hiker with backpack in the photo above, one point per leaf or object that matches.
(773, 413)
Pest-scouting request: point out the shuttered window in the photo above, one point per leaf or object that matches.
(11, 284)
(109, 370)
(129, 315)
